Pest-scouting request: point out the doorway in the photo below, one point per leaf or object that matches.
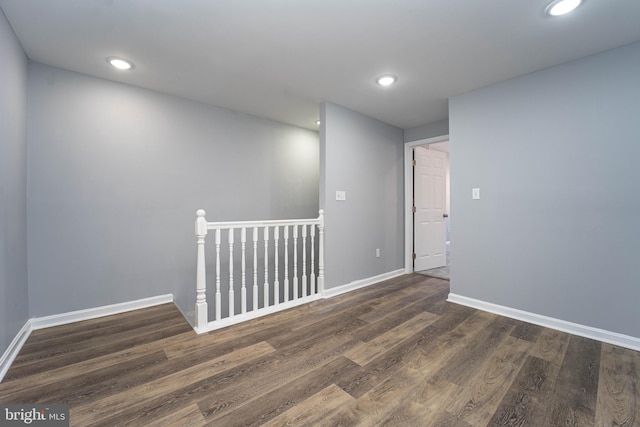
(427, 207)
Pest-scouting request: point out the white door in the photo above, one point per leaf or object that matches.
(429, 228)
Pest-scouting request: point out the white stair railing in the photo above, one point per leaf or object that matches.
(295, 290)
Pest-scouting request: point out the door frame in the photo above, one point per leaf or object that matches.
(408, 197)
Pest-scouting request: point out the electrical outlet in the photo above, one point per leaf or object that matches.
(341, 195)
(377, 252)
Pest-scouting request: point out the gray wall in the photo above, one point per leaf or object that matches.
(363, 157)
(13, 180)
(555, 155)
(429, 130)
(116, 174)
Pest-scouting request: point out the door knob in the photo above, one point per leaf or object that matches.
(445, 215)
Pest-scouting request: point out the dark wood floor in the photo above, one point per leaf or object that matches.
(393, 354)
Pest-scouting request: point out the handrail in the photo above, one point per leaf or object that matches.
(301, 289)
(260, 224)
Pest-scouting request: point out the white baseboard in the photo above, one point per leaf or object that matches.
(12, 351)
(328, 293)
(14, 348)
(357, 284)
(96, 312)
(614, 338)
(239, 318)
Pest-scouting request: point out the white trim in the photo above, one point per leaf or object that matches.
(96, 312)
(35, 323)
(328, 293)
(408, 197)
(14, 348)
(357, 284)
(239, 318)
(614, 338)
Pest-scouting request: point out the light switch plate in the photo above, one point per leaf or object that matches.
(475, 193)
(341, 195)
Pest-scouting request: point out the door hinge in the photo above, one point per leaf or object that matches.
(413, 162)
(414, 256)
(414, 209)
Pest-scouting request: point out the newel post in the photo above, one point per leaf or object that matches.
(201, 276)
(321, 252)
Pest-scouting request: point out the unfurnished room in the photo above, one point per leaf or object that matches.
(319, 213)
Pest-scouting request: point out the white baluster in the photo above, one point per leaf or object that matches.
(243, 290)
(286, 264)
(266, 267)
(202, 315)
(218, 294)
(276, 283)
(295, 262)
(321, 252)
(309, 281)
(231, 293)
(312, 275)
(255, 268)
(304, 261)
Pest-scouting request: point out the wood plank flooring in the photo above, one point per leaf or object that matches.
(392, 354)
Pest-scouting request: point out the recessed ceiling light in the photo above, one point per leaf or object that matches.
(119, 63)
(562, 7)
(386, 80)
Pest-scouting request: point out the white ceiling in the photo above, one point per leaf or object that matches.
(280, 58)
